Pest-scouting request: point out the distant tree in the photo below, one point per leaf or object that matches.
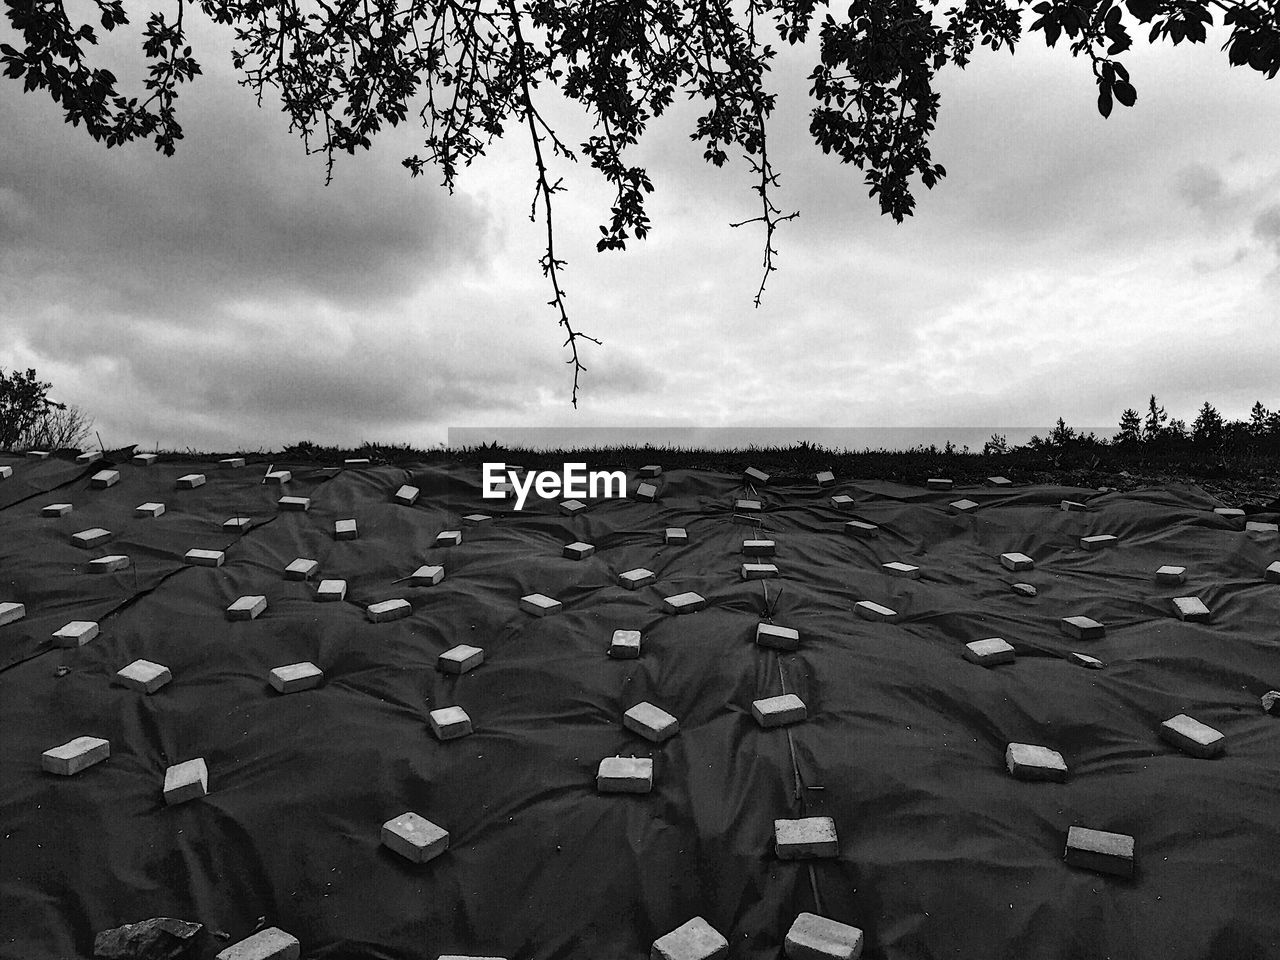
(62, 427)
(998, 444)
(1061, 434)
(23, 402)
(1209, 427)
(1154, 427)
(1258, 419)
(1130, 427)
(1177, 429)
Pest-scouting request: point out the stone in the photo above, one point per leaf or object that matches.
(89, 456)
(75, 634)
(1082, 628)
(190, 481)
(301, 504)
(779, 638)
(75, 755)
(624, 645)
(825, 478)
(145, 459)
(357, 462)
(37, 454)
(625, 775)
(449, 538)
(104, 478)
(278, 477)
(650, 471)
(11, 612)
(475, 519)
(779, 711)
(651, 722)
(1084, 660)
(1171, 574)
(842, 501)
(449, 723)
(999, 482)
(144, 676)
(898, 569)
(637, 578)
(205, 558)
(870, 610)
(747, 506)
(759, 571)
(688, 602)
(415, 838)
(248, 607)
(238, 524)
(149, 509)
(6, 472)
(427, 575)
(186, 781)
(407, 495)
(1025, 589)
(1272, 573)
(1192, 737)
(675, 536)
(939, 483)
(460, 659)
(694, 940)
(1231, 512)
(540, 605)
(1191, 609)
(1258, 526)
(301, 569)
(55, 510)
(160, 938)
(860, 528)
(293, 677)
(331, 591)
(807, 838)
(1071, 506)
(812, 937)
(646, 492)
(87, 539)
(989, 652)
(112, 564)
(1100, 851)
(571, 508)
(752, 475)
(1016, 562)
(387, 610)
(759, 548)
(1271, 701)
(1098, 542)
(578, 550)
(269, 944)
(962, 506)
(1027, 761)
(345, 530)
(232, 463)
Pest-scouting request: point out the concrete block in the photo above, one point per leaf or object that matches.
(1098, 542)
(278, 477)
(759, 571)
(75, 755)
(779, 638)
(475, 519)
(684, 602)
(747, 506)
(11, 612)
(939, 483)
(1272, 573)
(1192, 737)
(386, 610)
(1231, 512)
(345, 530)
(540, 605)
(301, 569)
(427, 575)
(357, 462)
(449, 723)
(6, 472)
(842, 501)
(571, 508)
(898, 569)
(37, 454)
(1258, 526)
(145, 459)
(694, 940)
(637, 578)
(1082, 628)
(75, 634)
(1171, 574)
(144, 676)
(205, 558)
(231, 463)
(302, 504)
(625, 644)
(1072, 506)
(807, 838)
(269, 944)
(675, 536)
(650, 471)
(625, 775)
(759, 548)
(190, 481)
(752, 475)
(860, 528)
(1084, 660)
(237, 524)
(1100, 851)
(87, 539)
(578, 550)
(460, 659)
(407, 495)
(293, 677)
(248, 607)
(186, 781)
(89, 456)
(149, 509)
(812, 937)
(55, 510)
(825, 478)
(989, 652)
(331, 591)
(1027, 761)
(449, 538)
(962, 506)
(1191, 609)
(104, 478)
(1016, 562)
(1271, 702)
(415, 838)
(999, 482)
(647, 492)
(1023, 589)
(652, 723)
(112, 564)
(870, 610)
(779, 711)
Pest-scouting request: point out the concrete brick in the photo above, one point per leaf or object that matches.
(415, 838)
(870, 610)
(37, 454)
(6, 472)
(625, 775)
(149, 509)
(475, 519)
(269, 944)
(759, 548)
(999, 482)
(1084, 660)
(1028, 761)
(939, 483)
(1098, 542)
(989, 652)
(331, 591)
(1072, 506)
(650, 471)
(752, 475)
(89, 456)
(897, 568)
(386, 610)
(75, 755)
(812, 937)
(248, 607)
(144, 676)
(779, 711)
(186, 781)
(104, 478)
(962, 506)
(842, 501)
(646, 492)
(779, 638)
(1231, 512)
(145, 459)
(205, 558)
(807, 838)
(302, 504)
(1271, 702)
(637, 578)
(759, 571)
(427, 575)
(694, 940)
(55, 510)
(278, 477)
(86, 539)
(540, 605)
(190, 481)
(1016, 562)
(357, 462)
(825, 478)
(571, 508)
(860, 528)
(578, 550)
(688, 602)
(1171, 574)
(449, 723)
(345, 530)
(449, 538)
(1024, 589)
(112, 564)
(1082, 628)
(625, 644)
(747, 506)
(232, 463)
(1259, 526)
(11, 612)
(237, 524)
(460, 659)
(293, 677)
(1192, 737)
(1272, 573)
(1191, 609)
(651, 722)
(675, 536)
(1100, 851)
(75, 634)
(301, 569)
(407, 495)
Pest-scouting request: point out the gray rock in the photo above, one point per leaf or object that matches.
(160, 938)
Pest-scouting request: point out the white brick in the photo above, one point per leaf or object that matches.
(962, 506)
(812, 937)
(75, 755)
(870, 610)
(651, 722)
(694, 940)
(144, 676)
(779, 711)
(55, 510)
(1016, 561)
(779, 638)
(386, 610)
(572, 508)
(232, 463)
(1192, 737)
(415, 838)
(805, 839)
(1023, 589)
(752, 475)
(205, 558)
(345, 530)
(186, 781)
(540, 605)
(294, 503)
(1028, 761)
(650, 471)
(279, 477)
(449, 723)
(842, 501)
(759, 571)
(1259, 526)
(475, 519)
(759, 548)
(1272, 573)
(684, 602)
(11, 612)
(989, 652)
(1171, 574)
(1084, 660)
(1083, 628)
(112, 564)
(1191, 609)
(75, 634)
(357, 462)
(1071, 506)
(248, 607)
(427, 575)
(190, 481)
(647, 492)
(104, 478)
(999, 482)
(449, 538)
(302, 568)
(1098, 542)
(331, 591)
(407, 495)
(939, 483)
(898, 569)
(825, 478)
(86, 539)
(269, 944)
(675, 536)
(1228, 511)
(89, 456)
(860, 528)
(145, 459)
(637, 578)
(149, 509)
(293, 677)
(237, 524)
(748, 506)
(6, 472)
(625, 775)
(460, 659)
(578, 550)
(1271, 701)
(625, 644)
(38, 454)
(1099, 850)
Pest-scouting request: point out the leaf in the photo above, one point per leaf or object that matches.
(1125, 93)
(1104, 100)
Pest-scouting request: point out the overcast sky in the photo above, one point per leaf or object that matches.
(1068, 266)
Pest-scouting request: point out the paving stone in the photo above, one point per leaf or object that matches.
(1171, 574)
(75, 634)
(825, 478)
(205, 558)
(387, 610)
(1071, 506)
(357, 462)
(870, 610)
(1084, 660)
(1100, 851)
(407, 495)
(6, 472)
(1191, 609)
(89, 456)
(939, 483)
(1272, 573)
(112, 564)
(37, 454)
(999, 482)
(149, 509)
(293, 677)
(637, 578)
(414, 837)
(625, 644)
(475, 519)
(239, 524)
(747, 506)
(190, 481)
(675, 536)
(571, 508)
(269, 944)
(75, 755)
(247, 607)
(650, 471)
(1098, 542)
(1082, 628)
(779, 638)
(1016, 562)
(540, 605)
(752, 475)
(345, 530)
(104, 478)
(427, 575)
(651, 722)
(688, 602)
(646, 492)
(962, 506)
(460, 659)
(806, 838)
(694, 940)
(759, 548)
(1228, 512)
(842, 501)
(779, 711)
(331, 591)
(578, 550)
(55, 510)
(11, 612)
(1027, 761)
(232, 463)
(278, 477)
(1025, 589)
(759, 571)
(87, 539)
(625, 775)
(144, 676)
(449, 723)
(449, 538)
(989, 652)
(812, 937)
(186, 781)
(1259, 526)
(145, 459)
(1271, 701)
(860, 528)
(898, 569)
(302, 504)
(301, 569)
(1192, 737)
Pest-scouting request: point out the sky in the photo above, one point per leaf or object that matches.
(1067, 266)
